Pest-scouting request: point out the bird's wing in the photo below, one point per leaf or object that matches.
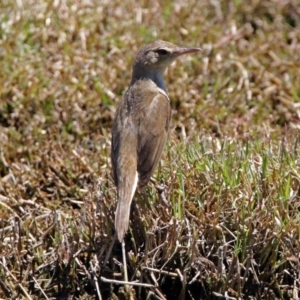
(152, 134)
(140, 128)
(124, 141)
(124, 162)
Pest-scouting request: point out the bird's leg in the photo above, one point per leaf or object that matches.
(124, 264)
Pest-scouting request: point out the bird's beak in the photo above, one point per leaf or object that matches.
(181, 51)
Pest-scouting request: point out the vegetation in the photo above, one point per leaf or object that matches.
(230, 228)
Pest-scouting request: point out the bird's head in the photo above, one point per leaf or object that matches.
(159, 55)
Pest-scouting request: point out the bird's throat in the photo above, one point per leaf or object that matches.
(154, 75)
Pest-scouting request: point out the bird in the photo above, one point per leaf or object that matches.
(141, 125)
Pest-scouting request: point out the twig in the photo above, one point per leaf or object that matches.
(5, 289)
(183, 281)
(24, 291)
(154, 278)
(223, 296)
(95, 278)
(161, 192)
(155, 288)
(126, 282)
(195, 277)
(161, 271)
(40, 288)
(158, 247)
(152, 295)
(176, 248)
(109, 250)
(179, 274)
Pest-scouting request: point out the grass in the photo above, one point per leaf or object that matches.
(230, 226)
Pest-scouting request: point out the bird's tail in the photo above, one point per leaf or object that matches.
(126, 188)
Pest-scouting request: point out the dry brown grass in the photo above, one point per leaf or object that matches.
(231, 168)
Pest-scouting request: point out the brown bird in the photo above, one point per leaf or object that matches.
(141, 125)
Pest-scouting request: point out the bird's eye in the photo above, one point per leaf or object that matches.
(162, 51)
